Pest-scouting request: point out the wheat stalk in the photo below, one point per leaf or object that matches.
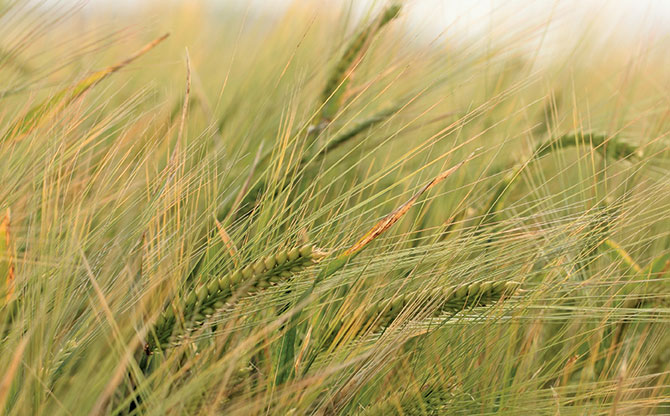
(349, 134)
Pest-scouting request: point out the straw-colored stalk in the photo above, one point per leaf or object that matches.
(7, 272)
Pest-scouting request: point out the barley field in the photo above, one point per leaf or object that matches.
(225, 209)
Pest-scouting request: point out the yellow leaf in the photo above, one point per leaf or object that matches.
(6, 257)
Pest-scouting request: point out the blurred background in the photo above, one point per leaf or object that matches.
(453, 18)
(543, 27)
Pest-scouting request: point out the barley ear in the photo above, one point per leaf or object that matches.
(41, 113)
(607, 145)
(337, 81)
(451, 299)
(256, 276)
(60, 360)
(431, 400)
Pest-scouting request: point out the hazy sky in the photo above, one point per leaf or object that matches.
(550, 21)
(475, 15)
